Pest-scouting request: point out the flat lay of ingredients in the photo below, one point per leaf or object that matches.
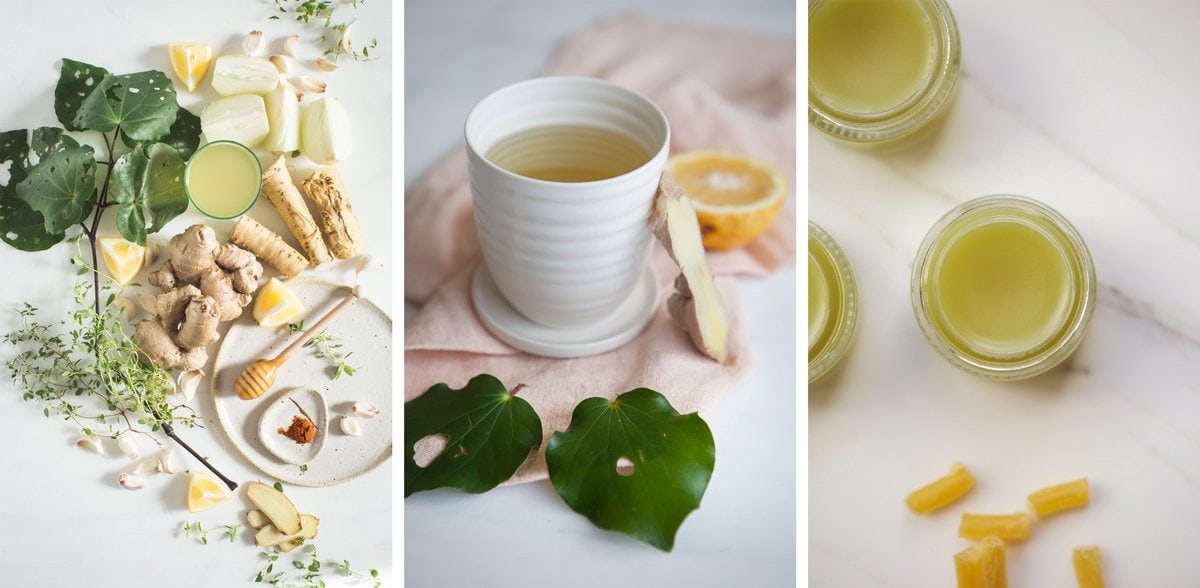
(151, 311)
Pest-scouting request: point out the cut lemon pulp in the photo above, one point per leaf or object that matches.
(736, 196)
(205, 491)
(122, 258)
(276, 305)
(190, 62)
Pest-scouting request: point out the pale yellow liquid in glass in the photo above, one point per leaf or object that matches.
(827, 299)
(1004, 288)
(869, 56)
(223, 179)
(818, 301)
(569, 153)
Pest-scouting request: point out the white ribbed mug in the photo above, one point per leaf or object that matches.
(565, 255)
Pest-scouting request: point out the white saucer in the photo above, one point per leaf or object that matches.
(511, 327)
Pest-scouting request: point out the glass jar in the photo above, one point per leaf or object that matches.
(1003, 287)
(832, 303)
(874, 89)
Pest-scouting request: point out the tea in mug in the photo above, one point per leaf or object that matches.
(569, 153)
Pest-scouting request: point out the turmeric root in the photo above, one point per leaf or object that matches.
(696, 304)
(282, 194)
(326, 189)
(268, 246)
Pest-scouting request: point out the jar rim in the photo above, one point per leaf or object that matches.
(841, 332)
(914, 112)
(1057, 347)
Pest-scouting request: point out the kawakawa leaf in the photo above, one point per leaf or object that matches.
(61, 183)
(147, 183)
(184, 135)
(20, 225)
(489, 432)
(76, 81)
(633, 464)
(143, 104)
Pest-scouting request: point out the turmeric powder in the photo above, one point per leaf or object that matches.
(301, 430)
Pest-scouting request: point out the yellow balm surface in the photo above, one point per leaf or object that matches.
(869, 56)
(1003, 287)
(818, 301)
(832, 303)
(223, 179)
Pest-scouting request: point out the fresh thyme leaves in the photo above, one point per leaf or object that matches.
(309, 568)
(232, 531)
(329, 348)
(198, 529)
(88, 371)
(346, 571)
(335, 37)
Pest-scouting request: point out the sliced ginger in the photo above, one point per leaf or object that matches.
(982, 565)
(696, 304)
(1012, 527)
(1068, 495)
(942, 491)
(1086, 559)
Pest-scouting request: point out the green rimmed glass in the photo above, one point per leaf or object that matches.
(832, 303)
(198, 157)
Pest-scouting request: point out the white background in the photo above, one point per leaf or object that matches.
(64, 521)
(744, 532)
(1089, 107)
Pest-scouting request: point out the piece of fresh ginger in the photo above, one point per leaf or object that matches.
(1011, 527)
(1060, 497)
(1087, 560)
(942, 491)
(696, 304)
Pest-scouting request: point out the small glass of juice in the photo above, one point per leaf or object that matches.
(223, 179)
(1004, 287)
(832, 303)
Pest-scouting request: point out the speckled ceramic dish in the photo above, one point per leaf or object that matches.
(278, 416)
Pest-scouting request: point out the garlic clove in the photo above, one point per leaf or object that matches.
(130, 482)
(289, 45)
(149, 303)
(92, 444)
(127, 307)
(344, 44)
(153, 248)
(188, 382)
(128, 447)
(309, 84)
(283, 81)
(365, 410)
(350, 426)
(281, 63)
(326, 64)
(253, 44)
(148, 467)
(167, 461)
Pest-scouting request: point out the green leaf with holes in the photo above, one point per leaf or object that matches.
(76, 81)
(142, 104)
(489, 432)
(147, 185)
(184, 135)
(62, 185)
(20, 225)
(633, 464)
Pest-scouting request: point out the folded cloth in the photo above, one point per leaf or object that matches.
(720, 89)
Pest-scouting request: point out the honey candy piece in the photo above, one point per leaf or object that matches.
(1087, 566)
(1011, 527)
(1068, 495)
(942, 491)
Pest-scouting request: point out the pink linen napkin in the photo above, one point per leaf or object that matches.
(720, 89)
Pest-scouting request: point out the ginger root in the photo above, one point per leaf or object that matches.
(282, 194)
(326, 189)
(263, 242)
(203, 283)
(696, 304)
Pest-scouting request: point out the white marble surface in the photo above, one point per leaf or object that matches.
(1091, 108)
(744, 533)
(64, 521)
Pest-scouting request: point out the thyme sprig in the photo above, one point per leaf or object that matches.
(322, 13)
(328, 348)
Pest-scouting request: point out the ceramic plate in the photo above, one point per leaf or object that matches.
(364, 330)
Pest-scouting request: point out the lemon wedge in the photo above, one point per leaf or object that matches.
(736, 196)
(122, 258)
(205, 491)
(190, 62)
(276, 305)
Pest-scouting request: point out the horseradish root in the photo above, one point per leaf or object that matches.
(326, 189)
(282, 194)
(268, 246)
(696, 304)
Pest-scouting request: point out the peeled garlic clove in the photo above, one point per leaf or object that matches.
(253, 44)
(128, 447)
(149, 303)
(289, 45)
(286, 84)
(188, 382)
(127, 307)
(344, 44)
(326, 64)
(167, 461)
(308, 84)
(325, 131)
(130, 482)
(91, 443)
(364, 410)
(350, 427)
(281, 63)
(153, 247)
(148, 467)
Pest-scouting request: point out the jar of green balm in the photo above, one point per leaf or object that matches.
(832, 303)
(1003, 287)
(879, 70)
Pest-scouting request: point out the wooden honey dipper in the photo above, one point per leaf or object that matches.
(260, 376)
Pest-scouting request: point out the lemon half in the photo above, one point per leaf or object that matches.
(190, 62)
(123, 259)
(276, 305)
(736, 196)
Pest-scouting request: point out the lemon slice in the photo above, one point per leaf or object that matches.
(276, 305)
(205, 491)
(736, 196)
(122, 258)
(190, 62)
